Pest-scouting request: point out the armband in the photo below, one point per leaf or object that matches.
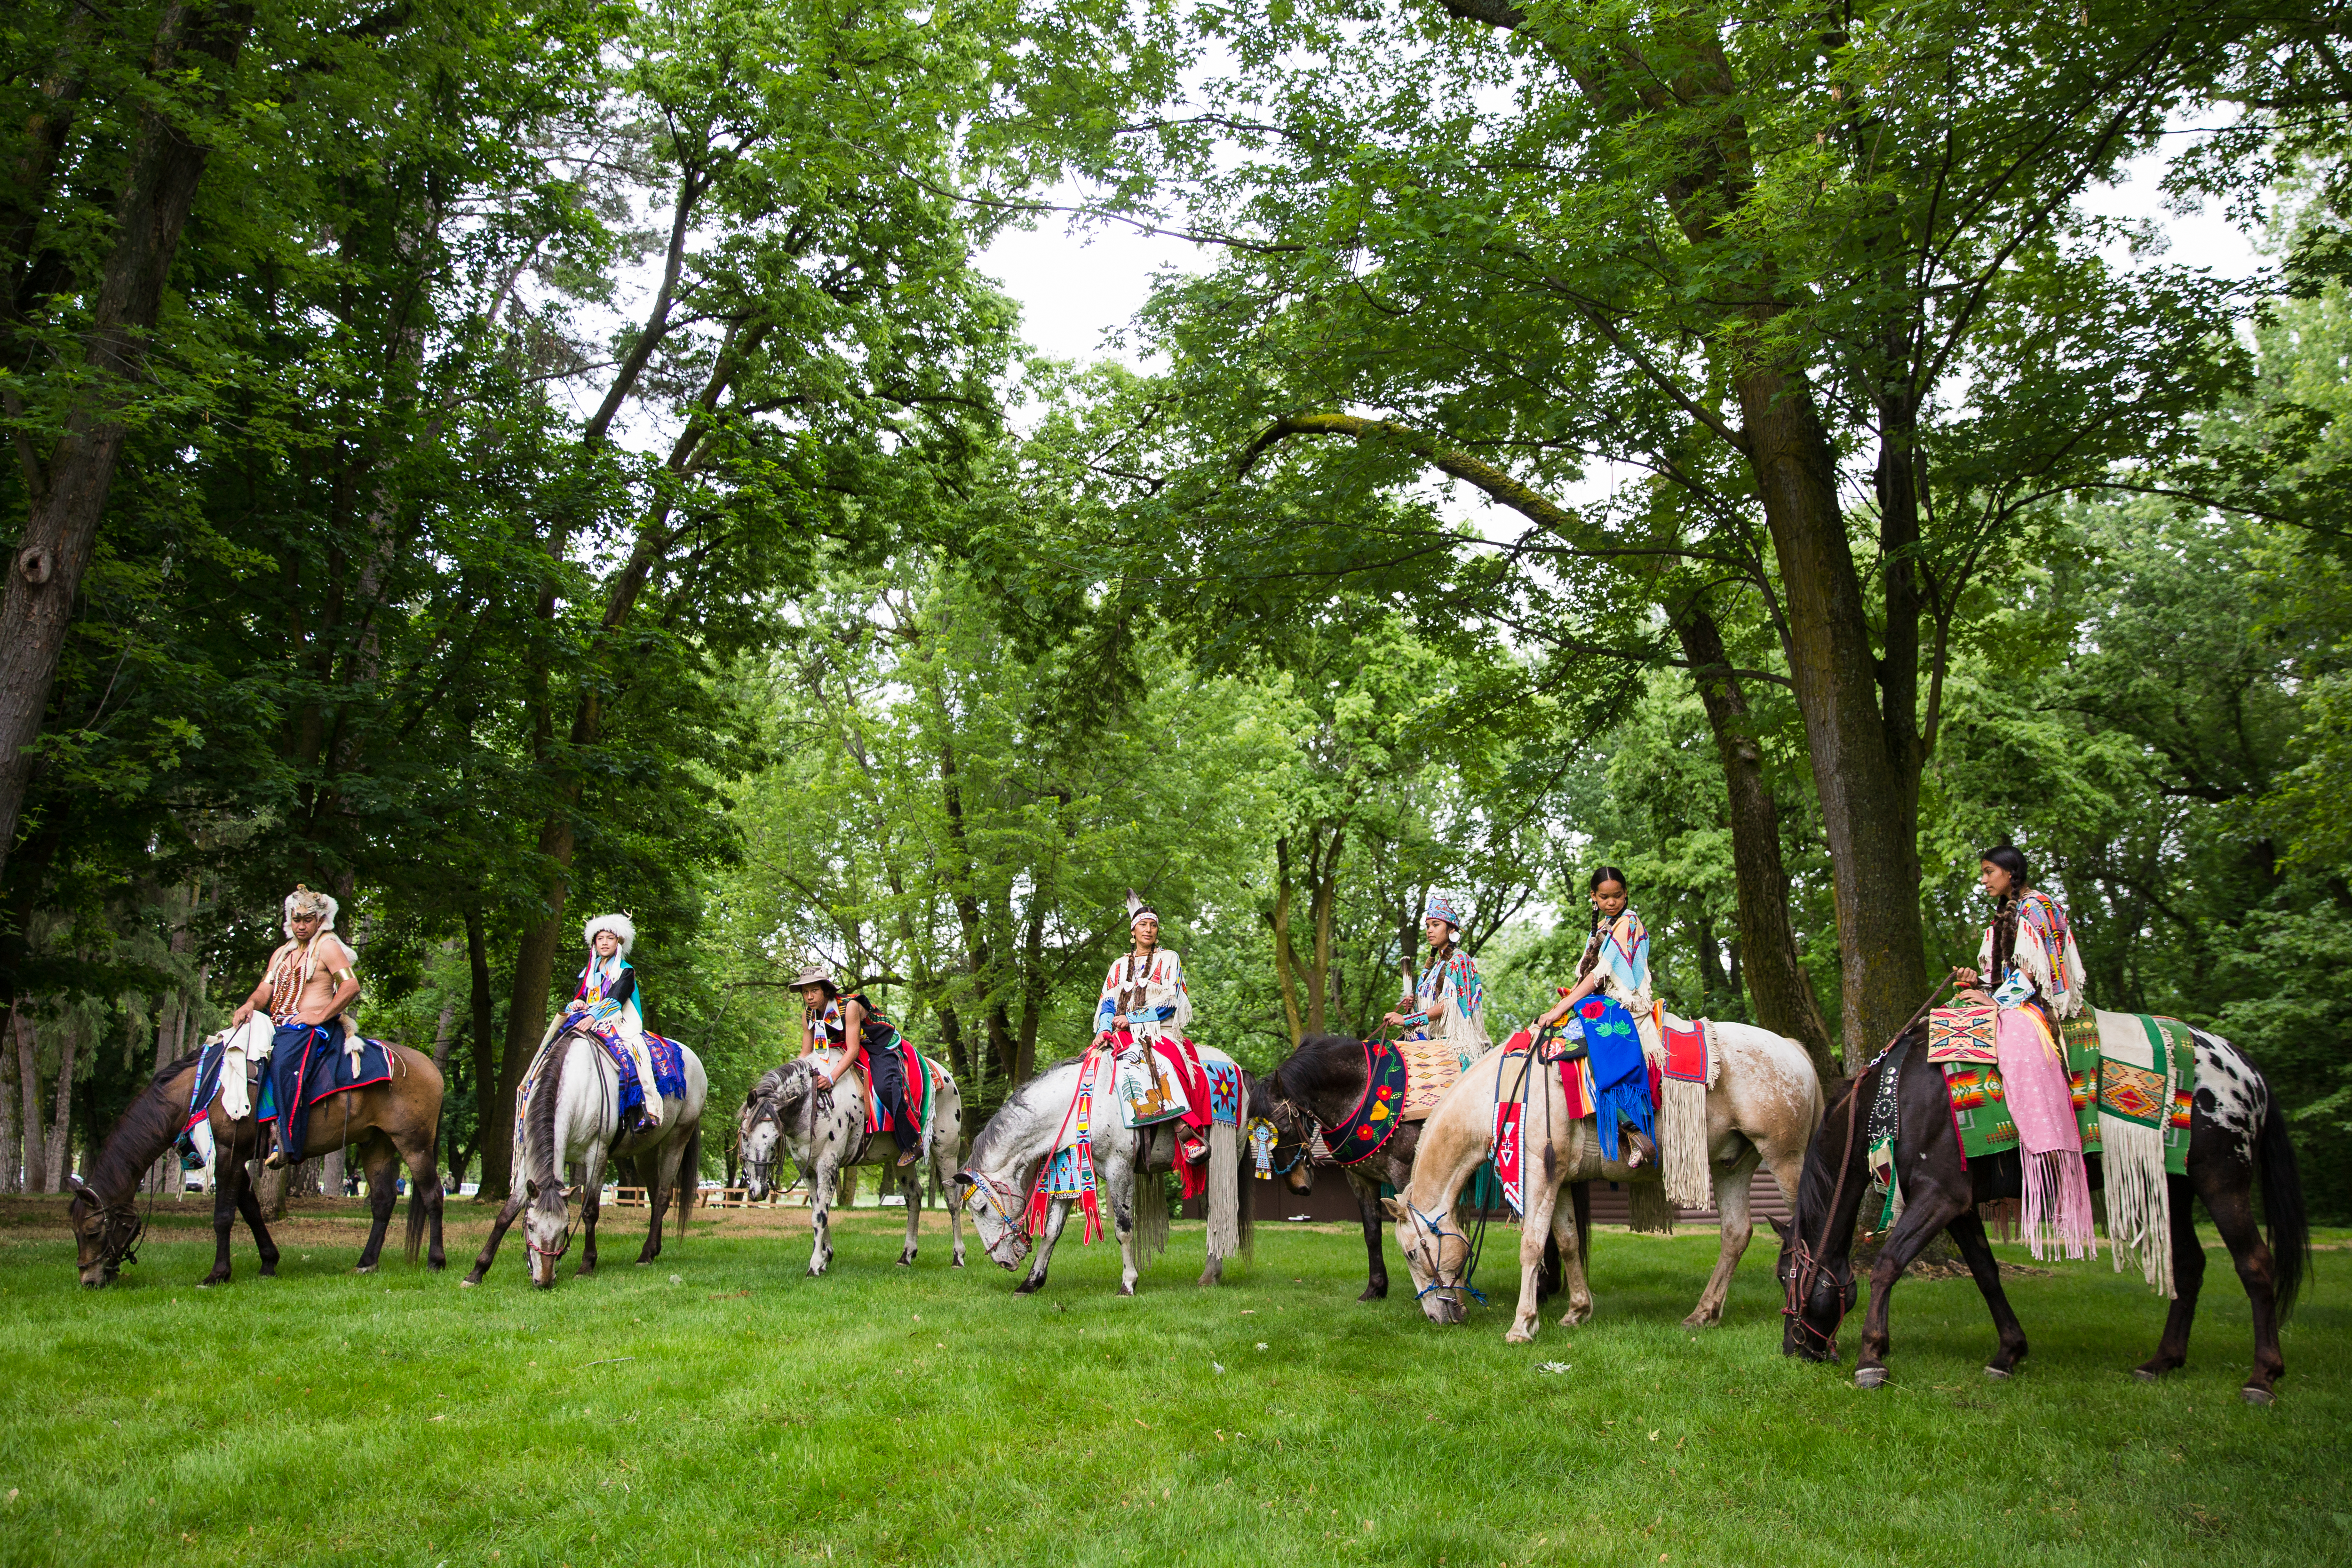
(344, 974)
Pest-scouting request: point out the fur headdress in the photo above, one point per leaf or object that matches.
(1138, 910)
(303, 901)
(621, 926)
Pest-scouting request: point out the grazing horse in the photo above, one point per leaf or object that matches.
(823, 1134)
(1012, 1149)
(573, 1115)
(1763, 1107)
(396, 1121)
(2235, 1130)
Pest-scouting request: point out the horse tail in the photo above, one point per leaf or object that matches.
(2283, 1211)
(689, 1177)
(1244, 1198)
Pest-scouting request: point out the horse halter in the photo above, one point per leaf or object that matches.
(988, 1197)
(1435, 1225)
(763, 1109)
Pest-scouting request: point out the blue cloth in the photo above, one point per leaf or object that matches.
(306, 1064)
(1621, 1079)
(669, 1067)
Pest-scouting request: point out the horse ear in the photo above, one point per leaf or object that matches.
(78, 1184)
(1395, 1208)
(530, 1186)
(571, 1192)
(1782, 1228)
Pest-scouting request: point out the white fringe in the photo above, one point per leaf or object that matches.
(1225, 1191)
(2139, 1202)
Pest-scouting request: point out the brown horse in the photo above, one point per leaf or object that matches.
(396, 1121)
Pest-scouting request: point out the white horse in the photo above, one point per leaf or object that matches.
(1764, 1106)
(1013, 1148)
(574, 1117)
(823, 1132)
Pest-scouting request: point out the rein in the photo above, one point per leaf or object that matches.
(1809, 1266)
(1435, 1227)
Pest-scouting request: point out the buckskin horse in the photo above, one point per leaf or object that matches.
(1762, 1109)
(573, 1116)
(823, 1134)
(2236, 1130)
(1007, 1156)
(395, 1121)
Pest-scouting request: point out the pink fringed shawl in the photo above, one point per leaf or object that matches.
(2042, 1102)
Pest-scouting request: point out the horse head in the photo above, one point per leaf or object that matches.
(1437, 1255)
(1290, 1157)
(1816, 1294)
(547, 1227)
(996, 1215)
(106, 1235)
(783, 1097)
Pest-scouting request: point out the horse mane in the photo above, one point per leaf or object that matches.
(1818, 1183)
(976, 1157)
(1316, 1065)
(145, 1129)
(539, 1138)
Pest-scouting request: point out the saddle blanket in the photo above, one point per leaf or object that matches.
(326, 1073)
(669, 1067)
(1980, 1108)
(1432, 1068)
(1962, 1034)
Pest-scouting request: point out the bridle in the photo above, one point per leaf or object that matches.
(989, 1195)
(1809, 1269)
(762, 1109)
(1434, 1225)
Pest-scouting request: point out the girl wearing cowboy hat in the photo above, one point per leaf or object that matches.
(609, 998)
(868, 1042)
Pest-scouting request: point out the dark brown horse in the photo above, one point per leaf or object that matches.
(2236, 1130)
(392, 1122)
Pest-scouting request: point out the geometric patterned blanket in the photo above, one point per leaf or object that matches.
(1980, 1109)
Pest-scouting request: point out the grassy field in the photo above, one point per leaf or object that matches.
(720, 1407)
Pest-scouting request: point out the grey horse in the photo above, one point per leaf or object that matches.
(823, 1132)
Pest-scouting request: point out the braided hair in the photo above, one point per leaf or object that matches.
(1600, 921)
(2012, 859)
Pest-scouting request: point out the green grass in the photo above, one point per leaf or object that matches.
(886, 1415)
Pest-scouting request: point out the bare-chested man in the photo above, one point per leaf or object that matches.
(310, 981)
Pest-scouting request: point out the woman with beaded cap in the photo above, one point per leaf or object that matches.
(610, 1003)
(1451, 991)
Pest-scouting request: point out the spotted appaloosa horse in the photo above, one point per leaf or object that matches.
(1006, 1157)
(823, 1134)
(574, 1116)
(1763, 1107)
(2235, 1130)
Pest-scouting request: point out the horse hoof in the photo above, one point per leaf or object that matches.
(1519, 1336)
(2144, 1374)
(1999, 1374)
(468, 1283)
(1869, 1376)
(364, 1269)
(2253, 1396)
(1127, 1289)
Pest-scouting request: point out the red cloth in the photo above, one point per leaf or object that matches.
(1686, 1054)
(1183, 1059)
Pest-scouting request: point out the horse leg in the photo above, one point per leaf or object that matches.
(1571, 1230)
(1376, 1258)
(224, 1212)
(822, 1188)
(910, 1188)
(516, 1197)
(1731, 1208)
(1058, 1213)
(423, 1157)
(945, 1159)
(592, 1208)
(1929, 1210)
(1968, 1233)
(668, 1159)
(1535, 1234)
(249, 1204)
(379, 1160)
(2230, 1200)
(2187, 1280)
(1122, 1221)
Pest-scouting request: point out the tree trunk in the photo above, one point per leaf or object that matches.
(526, 1002)
(12, 1148)
(61, 1133)
(28, 1083)
(1286, 958)
(1865, 793)
(1778, 986)
(68, 496)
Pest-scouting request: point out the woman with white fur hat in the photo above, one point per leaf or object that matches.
(610, 1001)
